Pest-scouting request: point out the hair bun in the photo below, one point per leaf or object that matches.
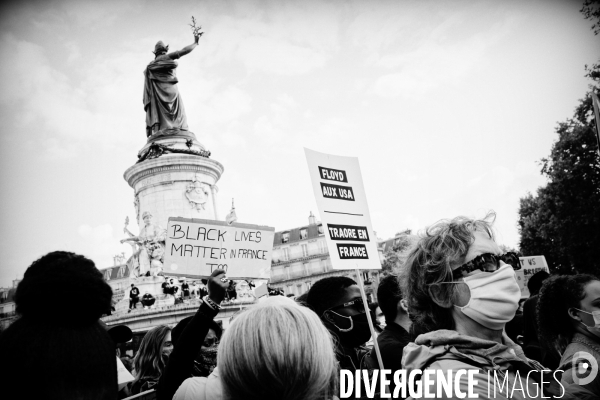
(63, 288)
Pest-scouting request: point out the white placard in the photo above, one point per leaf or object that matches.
(529, 266)
(340, 195)
(196, 247)
(123, 376)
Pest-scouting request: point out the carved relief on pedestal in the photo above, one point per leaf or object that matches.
(148, 246)
(136, 204)
(197, 193)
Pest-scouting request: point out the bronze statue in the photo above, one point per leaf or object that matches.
(162, 102)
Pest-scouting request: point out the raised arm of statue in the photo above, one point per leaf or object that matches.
(186, 50)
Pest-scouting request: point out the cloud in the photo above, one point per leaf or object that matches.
(284, 38)
(99, 244)
(269, 54)
(425, 56)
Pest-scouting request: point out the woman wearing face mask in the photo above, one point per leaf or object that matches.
(569, 324)
(461, 291)
(337, 300)
(151, 359)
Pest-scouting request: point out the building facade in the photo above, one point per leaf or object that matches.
(300, 258)
(7, 305)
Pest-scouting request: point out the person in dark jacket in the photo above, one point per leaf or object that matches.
(569, 325)
(181, 361)
(395, 335)
(338, 302)
(531, 342)
(61, 354)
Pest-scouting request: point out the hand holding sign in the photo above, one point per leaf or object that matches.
(217, 284)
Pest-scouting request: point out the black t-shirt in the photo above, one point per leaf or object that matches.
(135, 292)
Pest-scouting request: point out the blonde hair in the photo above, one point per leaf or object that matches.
(149, 360)
(442, 248)
(277, 350)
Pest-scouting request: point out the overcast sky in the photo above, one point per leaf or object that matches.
(449, 106)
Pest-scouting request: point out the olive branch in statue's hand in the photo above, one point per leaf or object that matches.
(196, 29)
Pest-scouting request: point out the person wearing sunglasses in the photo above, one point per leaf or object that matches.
(338, 302)
(461, 290)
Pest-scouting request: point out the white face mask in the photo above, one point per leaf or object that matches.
(596, 328)
(494, 297)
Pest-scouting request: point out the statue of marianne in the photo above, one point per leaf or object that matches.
(162, 102)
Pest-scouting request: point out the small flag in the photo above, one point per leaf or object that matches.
(597, 113)
(231, 217)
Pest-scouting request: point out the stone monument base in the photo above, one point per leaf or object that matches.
(147, 284)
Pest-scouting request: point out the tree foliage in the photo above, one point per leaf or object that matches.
(396, 258)
(562, 221)
(591, 11)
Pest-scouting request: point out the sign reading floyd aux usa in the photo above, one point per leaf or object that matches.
(340, 195)
(196, 247)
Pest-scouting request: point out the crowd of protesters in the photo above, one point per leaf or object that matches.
(454, 305)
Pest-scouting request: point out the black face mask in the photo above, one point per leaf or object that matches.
(358, 335)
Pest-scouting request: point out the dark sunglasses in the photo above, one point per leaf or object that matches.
(210, 342)
(487, 262)
(357, 304)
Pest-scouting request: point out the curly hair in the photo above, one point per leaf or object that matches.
(443, 246)
(149, 360)
(558, 294)
(70, 346)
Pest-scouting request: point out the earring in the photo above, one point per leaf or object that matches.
(343, 316)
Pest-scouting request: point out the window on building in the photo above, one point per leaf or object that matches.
(303, 233)
(285, 237)
(304, 250)
(289, 290)
(286, 254)
(321, 229)
(107, 274)
(322, 246)
(308, 285)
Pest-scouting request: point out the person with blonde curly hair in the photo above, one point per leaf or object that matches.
(151, 358)
(461, 291)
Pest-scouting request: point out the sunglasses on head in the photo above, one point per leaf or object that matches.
(357, 304)
(487, 262)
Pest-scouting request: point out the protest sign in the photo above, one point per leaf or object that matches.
(529, 266)
(342, 203)
(262, 290)
(196, 247)
(340, 195)
(123, 376)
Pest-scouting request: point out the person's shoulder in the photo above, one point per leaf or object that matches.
(192, 388)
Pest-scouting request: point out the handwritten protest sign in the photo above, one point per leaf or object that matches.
(340, 195)
(529, 266)
(196, 247)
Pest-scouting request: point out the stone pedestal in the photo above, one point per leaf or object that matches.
(175, 184)
(147, 284)
(175, 179)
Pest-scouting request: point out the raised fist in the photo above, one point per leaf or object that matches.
(217, 284)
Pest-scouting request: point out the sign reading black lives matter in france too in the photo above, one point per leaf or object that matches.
(196, 247)
(340, 194)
